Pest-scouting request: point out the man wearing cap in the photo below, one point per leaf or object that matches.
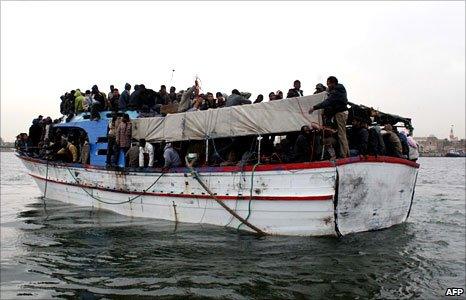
(335, 106)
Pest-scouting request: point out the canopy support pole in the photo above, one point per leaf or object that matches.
(207, 151)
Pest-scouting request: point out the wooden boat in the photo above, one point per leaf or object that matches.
(306, 199)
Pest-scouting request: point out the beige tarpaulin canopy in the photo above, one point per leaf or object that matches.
(262, 118)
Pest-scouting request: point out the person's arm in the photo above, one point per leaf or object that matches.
(74, 152)
(141, 157)
(245, 101)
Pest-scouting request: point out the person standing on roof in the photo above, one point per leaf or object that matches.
(236, 99)
(296, 91)
(336, 106)
(171, 157)
(146, 154)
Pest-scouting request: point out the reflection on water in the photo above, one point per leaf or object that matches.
(67, 251)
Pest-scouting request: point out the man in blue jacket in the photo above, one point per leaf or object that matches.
(336, 106)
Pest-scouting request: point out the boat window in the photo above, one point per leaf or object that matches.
(102, 152)
(102, 139)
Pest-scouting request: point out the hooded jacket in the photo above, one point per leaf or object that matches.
(78, 102)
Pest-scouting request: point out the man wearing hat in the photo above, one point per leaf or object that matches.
(320, 88)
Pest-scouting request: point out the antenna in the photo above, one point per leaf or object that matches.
(171, 78)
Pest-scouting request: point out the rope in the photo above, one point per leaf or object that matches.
(46, 179)
(196, 176)
(250, 194)
(116, 203)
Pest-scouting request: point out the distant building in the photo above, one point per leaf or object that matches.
(432, 146)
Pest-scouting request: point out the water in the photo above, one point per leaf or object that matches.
(71, 252)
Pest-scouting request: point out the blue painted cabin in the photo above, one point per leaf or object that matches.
(97, 134)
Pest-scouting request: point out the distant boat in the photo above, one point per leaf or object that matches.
(454, 153)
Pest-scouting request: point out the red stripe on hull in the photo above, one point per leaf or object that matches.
(269, 167)
(221, 197)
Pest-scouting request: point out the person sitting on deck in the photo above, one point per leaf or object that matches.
(392, 142)
(236, 99)
(336, 106)
(78, 102)
(279, 95)
(68, 152)
(358, 137)
(209, 102)
(220, 100)
(132, 156)
(87, 102)
(146, 154)
(303, 145)
(123, 101)
(376, 145)
(295, 91)
(171, 157)
(114, 101)
(197, 103)
(172, 96)
(185, 101)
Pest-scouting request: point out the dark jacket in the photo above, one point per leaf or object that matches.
(35, 133)
(359, 139)
(336, 101)
(302, 149)
(124, 100)
(392, 144)
(376, 145)
(234, 100)
(294, 93)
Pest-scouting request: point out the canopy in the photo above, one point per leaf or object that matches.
(252, 119)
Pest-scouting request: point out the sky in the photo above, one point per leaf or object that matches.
(406, 58)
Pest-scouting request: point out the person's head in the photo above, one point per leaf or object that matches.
(320, 88)
(136, 87)
(356, 122)
(95, 88)
(259, 98)
(297, 84)
(332, 82)
(209, 97)
(236, 92)
(306, 130)
(127, 86)
(142, 87)
(172, 89)
(115, 92)
(112, 88)
(388, 127)
(88, 93)
(279, 95)
(272, 96)
(163, 88)
(125, 118)
(219, 95)
(142, 142)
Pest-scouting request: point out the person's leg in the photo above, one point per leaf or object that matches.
(340, 119)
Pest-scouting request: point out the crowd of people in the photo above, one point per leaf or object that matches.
(368, 133)
(150, 103)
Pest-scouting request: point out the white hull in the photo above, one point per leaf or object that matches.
(293, 199)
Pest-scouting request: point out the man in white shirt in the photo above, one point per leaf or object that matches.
(146, 154)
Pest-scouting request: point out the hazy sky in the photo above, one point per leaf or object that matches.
(406, 58)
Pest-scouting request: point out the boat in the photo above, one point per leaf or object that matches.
(319, 198)
(455, 153)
